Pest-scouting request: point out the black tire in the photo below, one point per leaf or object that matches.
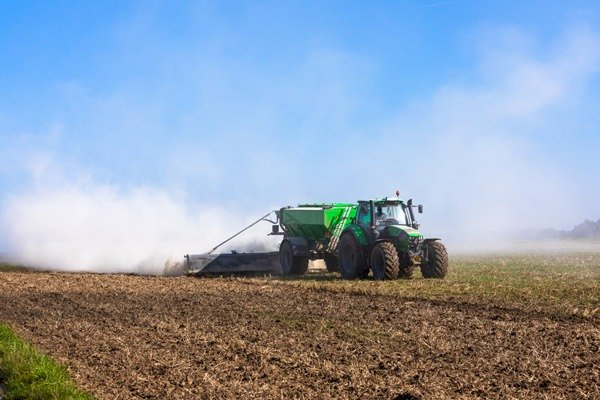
(385, 263)
(406, 267)
(300, 265)
(364, 274)
(437, 261)
(350, 257)
(331, 262)
(291, 265)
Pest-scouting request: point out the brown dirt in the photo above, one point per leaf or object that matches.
(180, 338)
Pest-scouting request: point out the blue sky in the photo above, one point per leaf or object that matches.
(485, 111)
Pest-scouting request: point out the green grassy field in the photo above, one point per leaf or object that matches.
(565, 283)
(28, 374)
(9, 267)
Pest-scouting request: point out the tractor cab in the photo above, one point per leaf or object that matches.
(384, 212)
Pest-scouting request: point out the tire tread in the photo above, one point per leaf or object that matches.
(437, 264)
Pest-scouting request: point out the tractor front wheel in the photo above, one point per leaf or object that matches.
(437, 261)
(291, 265)
(385, 263)
(350, 257)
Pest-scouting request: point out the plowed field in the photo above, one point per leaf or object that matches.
(129, 337)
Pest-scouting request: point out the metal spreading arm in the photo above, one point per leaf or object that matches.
(263, 218)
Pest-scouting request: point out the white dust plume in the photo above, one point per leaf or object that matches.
(104, 229)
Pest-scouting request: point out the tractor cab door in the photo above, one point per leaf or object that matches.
(363, 218)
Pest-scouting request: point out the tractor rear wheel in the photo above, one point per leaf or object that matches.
(291, 265)
(385, 263)
(351, 261)
(331, 262)
(437, 261)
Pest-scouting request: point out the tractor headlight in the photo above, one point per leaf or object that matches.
(414, 242)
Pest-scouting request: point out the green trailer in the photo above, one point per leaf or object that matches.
(312, 231)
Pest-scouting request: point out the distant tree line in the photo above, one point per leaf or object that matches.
(586, 229)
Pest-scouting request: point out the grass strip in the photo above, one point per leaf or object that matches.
(12, 268)
(562, 284)
(28, 374)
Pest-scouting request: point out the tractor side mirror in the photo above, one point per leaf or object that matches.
(275, 229)
(420, 208)
(363, 209)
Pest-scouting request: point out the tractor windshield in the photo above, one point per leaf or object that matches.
(389, 214)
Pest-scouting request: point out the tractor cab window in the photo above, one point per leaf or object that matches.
(380, 213)
(389, 214)
(364, 215)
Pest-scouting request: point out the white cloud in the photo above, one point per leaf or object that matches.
(485, 166)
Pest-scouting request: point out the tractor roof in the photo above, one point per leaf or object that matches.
(327, 205)
(385, 200)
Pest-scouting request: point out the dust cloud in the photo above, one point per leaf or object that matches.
(110, 230)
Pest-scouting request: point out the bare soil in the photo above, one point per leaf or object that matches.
(126, 337)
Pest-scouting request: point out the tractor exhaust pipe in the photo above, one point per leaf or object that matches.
(412, 214)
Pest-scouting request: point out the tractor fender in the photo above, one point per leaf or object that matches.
(388, 240)
(299, 245)
(431, 240)
(358, 233)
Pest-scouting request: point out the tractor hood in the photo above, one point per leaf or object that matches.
(405, 235)
(401, 230)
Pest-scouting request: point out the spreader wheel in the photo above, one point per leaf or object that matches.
(385, 263)
(291, 265)
(437, 261)
(331, 262)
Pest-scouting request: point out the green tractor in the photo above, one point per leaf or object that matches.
(373, 236)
